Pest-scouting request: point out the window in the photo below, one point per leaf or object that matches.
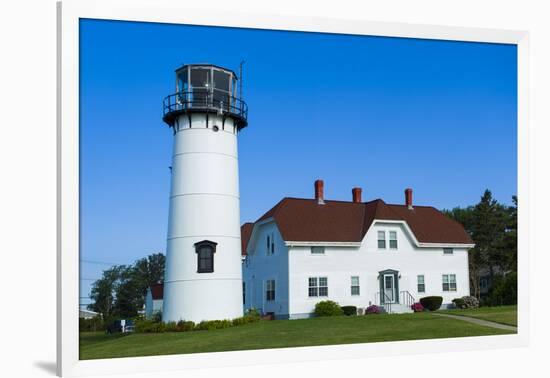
(318, 287)
(317, 250)
(270, 290)
(355, 285)
(382, 239)
(483, 283)
(421, 286)
(393, 239)
(205, 256)
(270, 245)
(244, 293)
(449, 282)
(447, 251)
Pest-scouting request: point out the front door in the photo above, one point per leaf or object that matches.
(389, 288)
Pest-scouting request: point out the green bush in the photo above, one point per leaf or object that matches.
(432, 303)
(328, 308)
(185, 326)
(155, 326)
(91, 325)
(459, 302)
(208, 325)
(248, 318)
(253, 313)
(349, 310)
(170, 327)
(504, 291)
(149, 326)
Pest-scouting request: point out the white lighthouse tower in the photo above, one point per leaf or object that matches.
(203, 278)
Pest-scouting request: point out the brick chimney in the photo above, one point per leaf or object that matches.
(356, 195)
(409, 198)
(319, 192)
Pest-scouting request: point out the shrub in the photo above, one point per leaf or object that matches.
(91, 325)
(252, 312)
(171, 327)
(349, 310)
(185, 326)
(458, 302)
(373, 309)
(208, 325)
(149, 326)
(248, 318)
(417, 307)
(470, 302)
(504, 290)
(328, 308)
(466, 302)
(431, 303)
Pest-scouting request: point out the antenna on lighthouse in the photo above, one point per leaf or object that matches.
(241, 78)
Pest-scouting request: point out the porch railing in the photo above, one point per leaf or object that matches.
(406, 298)
(387, 301)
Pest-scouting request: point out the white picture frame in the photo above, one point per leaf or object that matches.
(69, 13)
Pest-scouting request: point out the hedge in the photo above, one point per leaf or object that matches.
(156, 326)
(349, 310)
(432, 303)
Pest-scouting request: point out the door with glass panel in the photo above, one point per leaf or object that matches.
(389, 288)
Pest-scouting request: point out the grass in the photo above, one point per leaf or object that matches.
(282, 334)
(500, 314)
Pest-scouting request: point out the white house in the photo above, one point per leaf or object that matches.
(303, 251)
(153, 299)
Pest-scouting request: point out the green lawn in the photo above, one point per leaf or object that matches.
(282, 333)
(500, 314)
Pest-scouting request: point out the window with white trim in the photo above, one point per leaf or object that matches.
(355, 290)
(270, 290)
(382, 239)
(421, 286)
(448, 251)
(318, 287)
(449, 282)
(393, 239)
(317, 250)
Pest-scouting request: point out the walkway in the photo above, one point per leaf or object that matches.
(481, 322)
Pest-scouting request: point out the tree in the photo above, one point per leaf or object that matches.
(149, 270)
(488, 231)
(120, 292)
(493, 228)
(103, 292)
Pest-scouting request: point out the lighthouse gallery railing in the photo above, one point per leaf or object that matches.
(203, 99)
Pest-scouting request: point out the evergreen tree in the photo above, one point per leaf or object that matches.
(493, 228)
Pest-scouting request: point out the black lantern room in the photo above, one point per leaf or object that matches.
(206, 88)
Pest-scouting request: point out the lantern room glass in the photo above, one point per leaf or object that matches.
(206, 87)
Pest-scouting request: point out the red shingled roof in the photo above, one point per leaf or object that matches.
(340, 221)
(157, 291)
(246, 231)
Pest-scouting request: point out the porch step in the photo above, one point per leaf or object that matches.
(398, 308)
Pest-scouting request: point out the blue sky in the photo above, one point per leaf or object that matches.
(380, 113)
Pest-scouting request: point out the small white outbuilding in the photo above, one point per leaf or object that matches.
(153, 299)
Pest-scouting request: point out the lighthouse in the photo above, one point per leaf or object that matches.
(203, 277)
